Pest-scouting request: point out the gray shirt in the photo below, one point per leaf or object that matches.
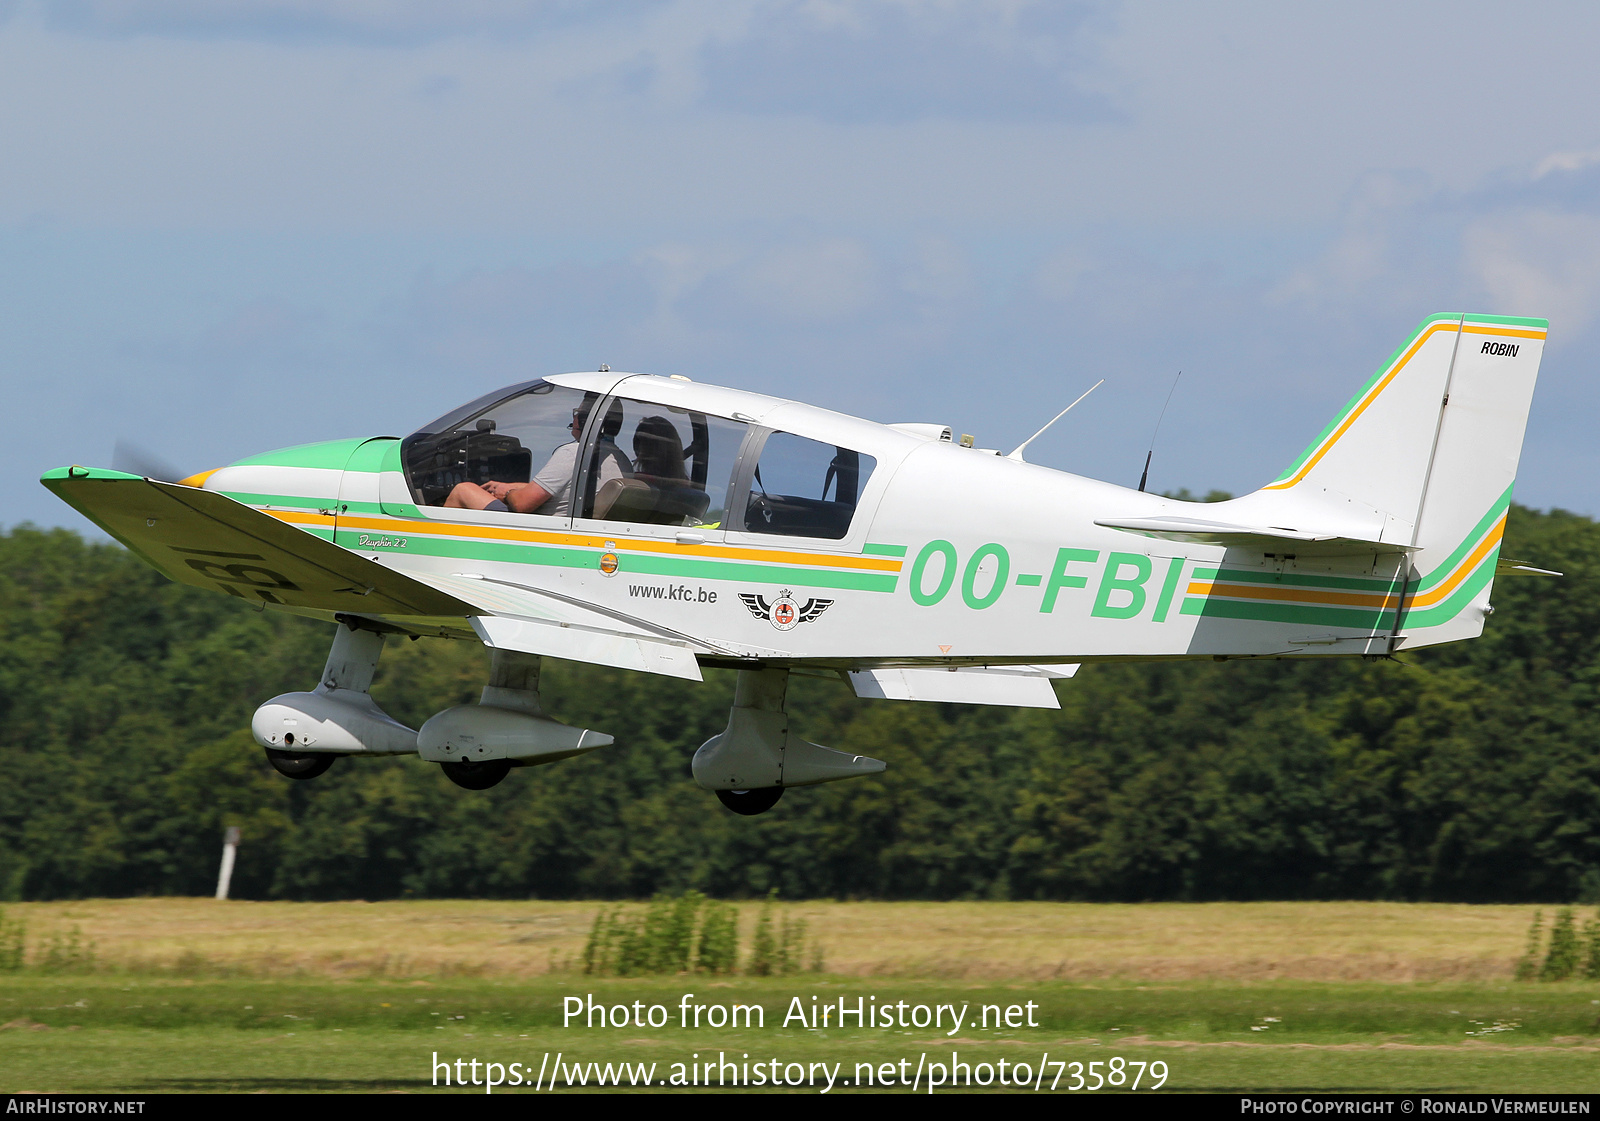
(560, 471)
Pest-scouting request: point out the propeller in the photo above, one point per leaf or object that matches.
(131, 459)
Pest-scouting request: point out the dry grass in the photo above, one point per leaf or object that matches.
(980, 941)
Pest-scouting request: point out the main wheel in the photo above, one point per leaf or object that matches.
(476, 776)
(299, 765)
(750, 802)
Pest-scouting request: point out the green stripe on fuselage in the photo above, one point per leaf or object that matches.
(1332, 583)
(1217, 607)
(554, 556)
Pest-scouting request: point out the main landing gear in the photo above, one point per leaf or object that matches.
(476, 776)
(477, 745)
(751, 762)
(748, 803)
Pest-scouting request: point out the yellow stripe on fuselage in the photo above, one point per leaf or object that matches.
(1384, 600)
(1293, 595)
(590, 541)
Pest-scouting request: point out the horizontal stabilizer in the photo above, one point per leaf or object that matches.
(1505, 566)
(1271, 539)
(1013, 686)
(209, 540)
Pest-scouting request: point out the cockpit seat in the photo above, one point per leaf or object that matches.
(652, 500)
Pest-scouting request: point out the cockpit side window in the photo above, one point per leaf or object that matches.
(661, 465)
(507, 438)
(805, 488)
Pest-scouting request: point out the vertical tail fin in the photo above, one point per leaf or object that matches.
(1424, 457)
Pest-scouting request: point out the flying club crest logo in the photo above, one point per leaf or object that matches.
(784, 613)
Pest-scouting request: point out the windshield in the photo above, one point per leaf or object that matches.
(510, 436)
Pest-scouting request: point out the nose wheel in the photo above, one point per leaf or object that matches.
(748, 803)
(476, 776)
(299, 765)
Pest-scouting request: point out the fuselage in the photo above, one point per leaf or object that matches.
(949, 554)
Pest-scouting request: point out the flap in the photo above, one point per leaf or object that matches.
(535, 621)
(1269, 539)
(209, 540)
(1015, 686)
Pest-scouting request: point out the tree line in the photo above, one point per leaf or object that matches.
(1468, 772)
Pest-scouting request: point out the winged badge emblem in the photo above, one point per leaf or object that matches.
(784, 613)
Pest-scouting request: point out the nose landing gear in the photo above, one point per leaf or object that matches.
(297, 765)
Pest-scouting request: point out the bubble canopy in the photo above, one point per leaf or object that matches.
(632, 460)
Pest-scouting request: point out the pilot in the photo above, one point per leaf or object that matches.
(550, 490)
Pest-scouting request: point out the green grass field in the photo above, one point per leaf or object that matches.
(188, 995)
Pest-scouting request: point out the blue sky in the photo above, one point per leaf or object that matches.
(232, 225)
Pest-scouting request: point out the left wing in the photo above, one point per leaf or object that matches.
(209, 540)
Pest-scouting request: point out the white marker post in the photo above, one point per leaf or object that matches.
(230, 849)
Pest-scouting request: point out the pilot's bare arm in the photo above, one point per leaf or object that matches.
(523, 498)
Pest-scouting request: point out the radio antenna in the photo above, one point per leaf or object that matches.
(1016, 452)
(1144, 478)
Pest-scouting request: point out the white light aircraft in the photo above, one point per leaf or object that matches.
(657, 524)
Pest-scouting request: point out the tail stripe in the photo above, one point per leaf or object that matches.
(1444, 591)
(1444, 612)
(1496, 513)
(1488, 545)
(1370, 392)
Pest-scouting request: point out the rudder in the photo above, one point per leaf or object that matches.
(1467, 494)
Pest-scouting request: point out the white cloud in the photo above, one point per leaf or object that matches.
(393, 22)
(1538, 263)
(1375, 255)
(1566, 161)
(907, 60)
(821, 280)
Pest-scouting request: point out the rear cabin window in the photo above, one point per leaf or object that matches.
(805, 488)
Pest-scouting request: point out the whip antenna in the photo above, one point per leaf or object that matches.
(1144, 478)
(1016, 452)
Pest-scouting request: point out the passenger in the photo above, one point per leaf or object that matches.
(658, 449)
(549, 492)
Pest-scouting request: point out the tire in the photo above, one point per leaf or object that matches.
(748, 803)
(476, 776)
(299, 765)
